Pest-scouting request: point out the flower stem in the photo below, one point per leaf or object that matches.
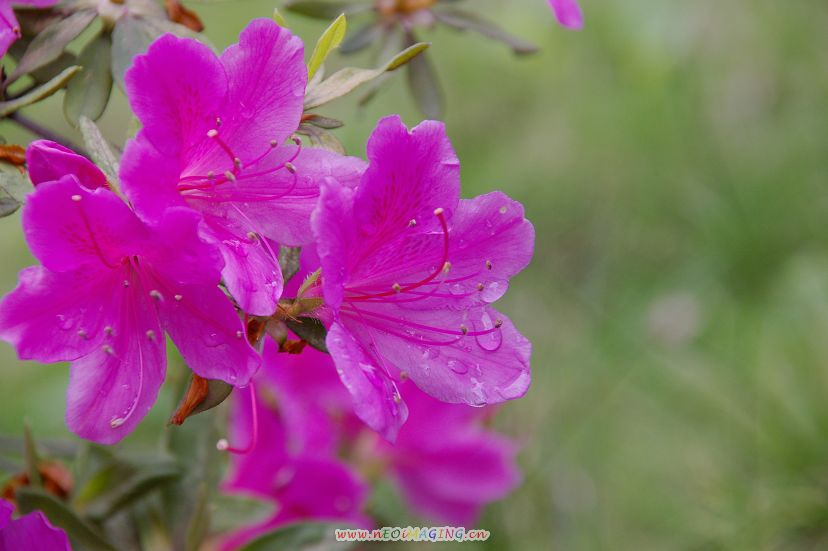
(45, 133)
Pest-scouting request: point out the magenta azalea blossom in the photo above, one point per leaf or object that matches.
(214, 138)
(293, 463)
(9, 28)
(409, 270)
(32, 532)
(568, 13)
(445, 463)
(108, 287)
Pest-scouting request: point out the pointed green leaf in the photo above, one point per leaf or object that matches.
(346, 80)
(99, 149)
(121, 483)
(311, 330)
(361, 38)
(59, 514)
(301, 536)
(289, 261)
(13, 189)
(279, 18)
(321, 9)
(32, 459)
(49, 43)
(88, 93)
(217, 393)
(468, 21)
(422, 81)
(322, 138)
(41, 92)
(187, 502)
(329, 41)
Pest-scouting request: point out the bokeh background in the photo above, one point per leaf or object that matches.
(674, 159)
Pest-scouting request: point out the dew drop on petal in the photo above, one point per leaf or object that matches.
(458, 367)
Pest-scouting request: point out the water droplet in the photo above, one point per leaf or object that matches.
(64, 322)
(456, 289)
(458, 367)
(431, 353)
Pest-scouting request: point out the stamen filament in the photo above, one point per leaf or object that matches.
(224, 444)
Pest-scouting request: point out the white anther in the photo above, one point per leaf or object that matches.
(76, 198)
(212, 133)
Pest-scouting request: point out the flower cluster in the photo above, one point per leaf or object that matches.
(314, 458)
(186, 241)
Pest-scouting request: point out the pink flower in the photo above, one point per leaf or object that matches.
(32, 532)
(9, 27)
(108, 287)
(213, 138)
(568, 13)
(446, 464)
(293, 463)
(409, 270)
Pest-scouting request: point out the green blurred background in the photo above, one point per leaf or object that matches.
(673, 157)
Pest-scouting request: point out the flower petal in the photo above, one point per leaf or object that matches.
(475, 369)
(251, 267)
(376, 398)
(8, 24)
(33, 532)
(52, 317)
(269, 200)
(568, 13)
(267, 78)
(177, 90)
(112, 389)
(411, 173)
(68, 226)
(207, 331)
(48, 161)
(6, 510)
(333, 226)
(149, 178)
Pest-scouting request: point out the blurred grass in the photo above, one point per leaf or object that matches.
(673, 159)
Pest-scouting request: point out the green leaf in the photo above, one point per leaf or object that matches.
(88, 93)
(422, 81)
(99, 149)
(346, 80)
(187, 502)
(31, 455)
(301, 536)
(329, 41)
(324, 122)
(320, 9)
(322, 138)
(120, 483)
(13, 189)
(133, 35)
(279, 18)
(468, 21)
(217, 393)
(289, 261)
(59, 514)
(361, 38)
(47, 46)
(310, 330)
(39, 93)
